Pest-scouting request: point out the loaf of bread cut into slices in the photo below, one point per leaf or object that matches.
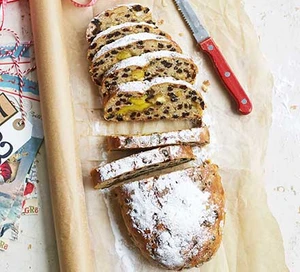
(129, 46)
(138, 164)
(175, 219)
(118, 15)
(148, 66)
(197, 136)
(160, 98)
(120, 31)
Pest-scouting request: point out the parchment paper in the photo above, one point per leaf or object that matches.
(252, 240)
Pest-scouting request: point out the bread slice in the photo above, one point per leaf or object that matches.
(148, 66)
(160, 98)
(197, 136)
(129, 46)
(120, 31)
(175, 219)
(137, 164)
(118, 15)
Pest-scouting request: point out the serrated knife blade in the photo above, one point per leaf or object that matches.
(207, 44)
(192, 20)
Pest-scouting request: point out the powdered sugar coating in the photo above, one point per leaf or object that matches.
(185, 136)
(138, 161)
(144, 59)
(120, 26)
(128, 40)
(176, 211)
(142, 86)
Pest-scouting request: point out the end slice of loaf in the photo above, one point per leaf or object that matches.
(129, 46)
(147, 66)
(113, 173)
(118, 15)
(160, 98)
(120, 31)
(194, 136)
(176, 219)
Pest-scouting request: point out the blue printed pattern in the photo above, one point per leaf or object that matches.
(26, 53)
(9, 81)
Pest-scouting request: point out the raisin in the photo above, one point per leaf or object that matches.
(147, 29)
(109, 36)
(166, 64)
(125, 75)
(166, 112)
(179, 71)
(174, 99)
(160, 45)
(179, 107)
(147, 112)
(137, 8)
(146, 10)
(202, 104)
(158, 103)
(93, 46)
(119, 118)
(109, 110)
(169, 46)
(118, 103)
(132, 115)
(114, 52)
(165, 152)
(106, 14)
(170, 88)
(175, 116)
(127, 15)
(97, 81)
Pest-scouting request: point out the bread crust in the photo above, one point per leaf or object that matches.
(208, 180)
(118, 15)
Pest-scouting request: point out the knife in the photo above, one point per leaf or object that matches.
(208, 45)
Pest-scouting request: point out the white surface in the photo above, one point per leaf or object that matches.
(278, 25)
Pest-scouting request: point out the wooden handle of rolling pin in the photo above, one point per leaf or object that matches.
(67, 192)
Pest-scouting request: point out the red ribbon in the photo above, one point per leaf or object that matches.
(88, 4)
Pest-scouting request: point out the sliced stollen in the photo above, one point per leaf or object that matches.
(129, 46)
(197, 136)
(147, 66)
(120, 31)
(160, 98)
(135, 165)
(118, 15)
(175, 219)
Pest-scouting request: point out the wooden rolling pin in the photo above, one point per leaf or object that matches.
(65, 178)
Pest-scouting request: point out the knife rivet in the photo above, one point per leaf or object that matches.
(227, 74)
(244, 101)
(210, 47)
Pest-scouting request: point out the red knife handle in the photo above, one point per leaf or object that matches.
(227, 76)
